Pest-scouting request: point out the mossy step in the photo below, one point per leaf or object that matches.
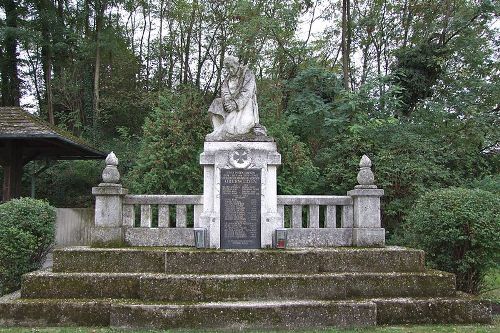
(460, 310)
(189, 287)
(193, 261)
(239, 315)
(53, 312)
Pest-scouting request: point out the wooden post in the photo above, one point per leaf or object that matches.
(12, 171)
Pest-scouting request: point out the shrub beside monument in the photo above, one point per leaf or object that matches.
(459, 229)
(26, 236)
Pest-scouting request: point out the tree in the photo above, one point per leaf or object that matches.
(11, 93)
(173, 139)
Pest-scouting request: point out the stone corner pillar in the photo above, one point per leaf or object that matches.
(108, 230)
(367, 226)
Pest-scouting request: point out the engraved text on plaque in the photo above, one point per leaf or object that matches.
(240, 208)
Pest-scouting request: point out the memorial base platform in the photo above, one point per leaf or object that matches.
(166, 288)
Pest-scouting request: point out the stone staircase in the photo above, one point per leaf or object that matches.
(238, 289)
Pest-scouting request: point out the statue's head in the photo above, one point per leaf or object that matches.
(231, 63)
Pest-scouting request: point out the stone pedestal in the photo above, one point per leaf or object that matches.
(258, 162)
(108, 226)
(367, 229)
(108, 230)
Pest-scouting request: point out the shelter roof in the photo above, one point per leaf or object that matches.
(40, 140)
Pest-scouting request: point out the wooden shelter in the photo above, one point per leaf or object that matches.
(24, 138)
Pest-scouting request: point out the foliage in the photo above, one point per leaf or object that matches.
(68, 183)
(416, 71)
(297, 173)
(27, 228)
(168, 159)
(460, 231)
(489, 183)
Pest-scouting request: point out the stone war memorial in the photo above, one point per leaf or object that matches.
(239, 256)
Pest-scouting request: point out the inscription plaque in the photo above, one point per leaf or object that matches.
(240, 207)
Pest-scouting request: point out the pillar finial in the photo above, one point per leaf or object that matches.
(110, 174)
(365, 178)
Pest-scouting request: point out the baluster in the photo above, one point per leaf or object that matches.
(163, 216)
(297, 216)
(198, 209)
(281, 213)
(128, 215)
(313, 221)
(331, 216)
(180, 216)
(347, 217)
(146, 216)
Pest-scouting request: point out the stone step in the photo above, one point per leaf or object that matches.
(238, 316)
(284, 314)
(207, 288)
(15, 311)
(192, 261)
(462, 309)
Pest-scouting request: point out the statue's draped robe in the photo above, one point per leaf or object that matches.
(241, 89)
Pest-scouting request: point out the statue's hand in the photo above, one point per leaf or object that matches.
(230, 105)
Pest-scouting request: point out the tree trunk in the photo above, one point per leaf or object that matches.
(170, 54)
(11, 93)
(187, 47)
(100, 8)
(148, 51)
(160, 49)
(12, 171)
(346, 41)
(44, 11)
(218, 81)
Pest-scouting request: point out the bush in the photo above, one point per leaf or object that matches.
(26, 236)
(460, 231)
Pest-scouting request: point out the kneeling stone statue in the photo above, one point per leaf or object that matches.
(235, 115)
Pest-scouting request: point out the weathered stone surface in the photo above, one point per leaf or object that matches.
(411, 284)
(52, 312)
(45, 284)
(110, 174)
(159, 236)
(366, 217)
(388, 259)
(106, 237)
(194, 288)
(108, 205)
(432, 311)
(324, 237)
(368, 236)
(191, 261)
(219, 156)
(124, 260)
(327, 286)
(297, 289)
(235, 112)
(141, 199)
(237, 316)
(365, 175)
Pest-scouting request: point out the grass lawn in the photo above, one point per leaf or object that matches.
(492, 290)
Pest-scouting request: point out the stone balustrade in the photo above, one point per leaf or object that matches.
(331, 204)
(320, 228)
(145, 220)
(164, 205)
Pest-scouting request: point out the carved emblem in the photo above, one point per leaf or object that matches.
(239, 158)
